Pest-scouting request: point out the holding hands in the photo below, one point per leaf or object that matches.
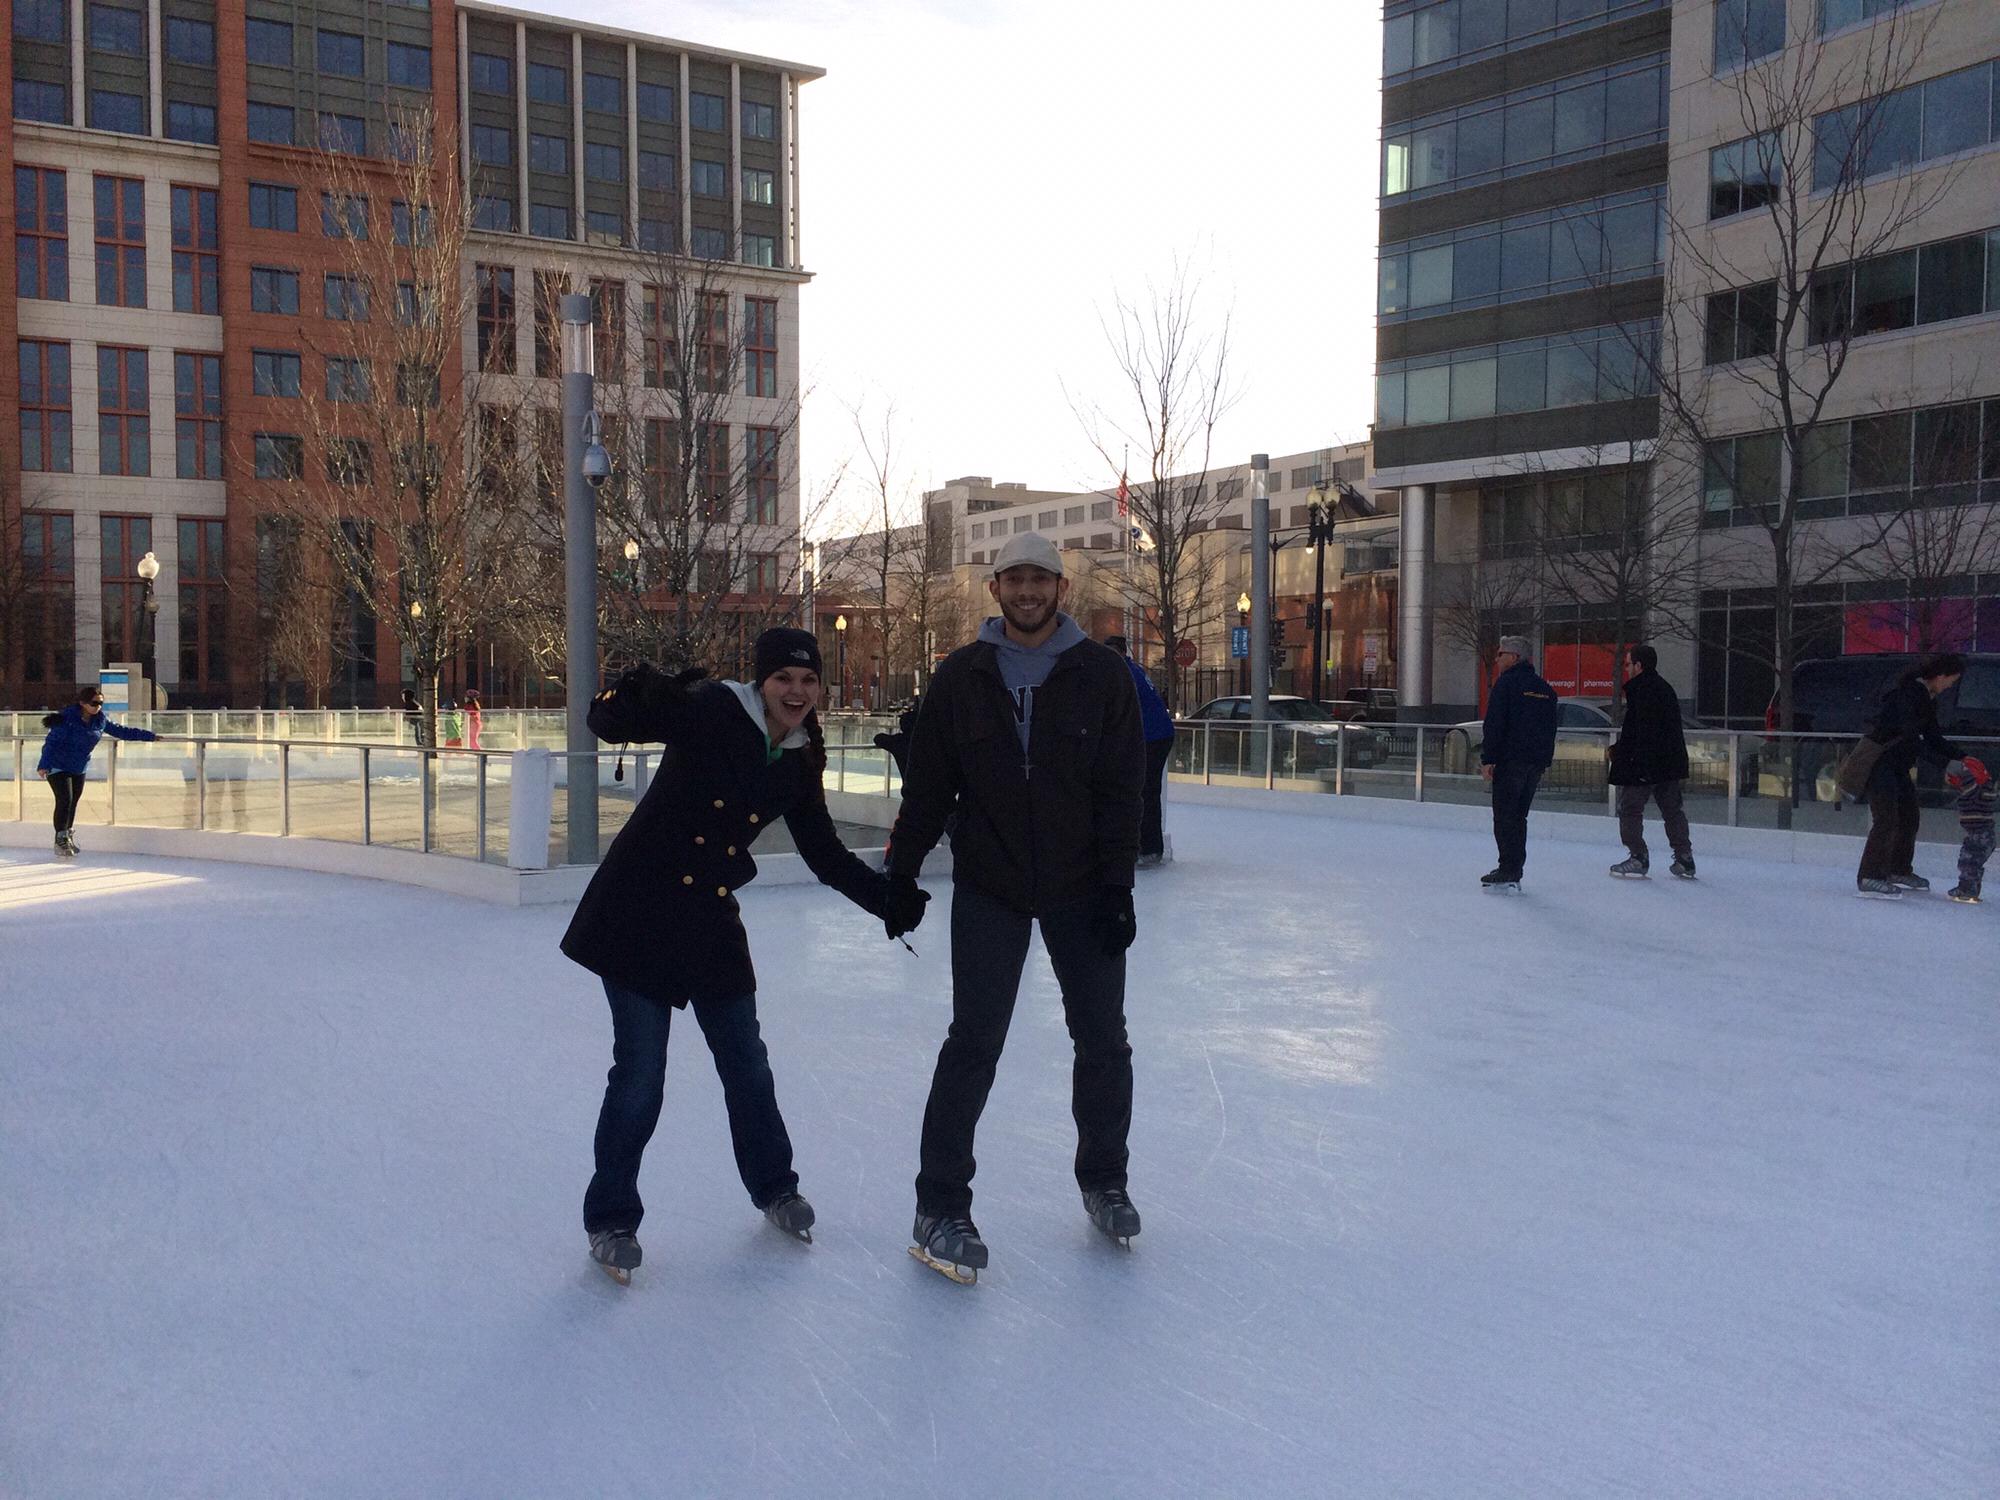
(903, 906)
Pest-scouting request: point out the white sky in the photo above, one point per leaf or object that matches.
(982, 176)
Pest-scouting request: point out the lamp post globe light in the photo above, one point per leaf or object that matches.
(840, 636)
(1243, 620)
(148, 570)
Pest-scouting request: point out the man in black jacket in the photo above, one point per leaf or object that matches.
(1650, 760)
(1515, 748)
(1029, 738)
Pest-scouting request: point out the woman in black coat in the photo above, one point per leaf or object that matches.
(1906, 728)
(659, 923)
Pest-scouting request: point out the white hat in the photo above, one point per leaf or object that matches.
(1031, 548)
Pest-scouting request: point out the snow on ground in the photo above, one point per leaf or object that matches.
(1612, 1189)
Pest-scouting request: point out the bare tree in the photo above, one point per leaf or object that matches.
(1940, 538)
(1173, 388)
(1755, 344)
(1481, 599)
(392, 484)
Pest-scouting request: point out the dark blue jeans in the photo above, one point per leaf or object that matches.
(638, 1080)
(1513, 794)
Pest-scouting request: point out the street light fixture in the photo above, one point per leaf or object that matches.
(1243, 620)
(631, 551)
(840, 636)
(148, 570)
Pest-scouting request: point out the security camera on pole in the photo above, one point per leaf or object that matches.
(586, 467)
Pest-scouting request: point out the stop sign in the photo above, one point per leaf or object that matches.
(1184, 654)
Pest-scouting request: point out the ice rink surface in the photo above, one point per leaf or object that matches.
(1611, 1189)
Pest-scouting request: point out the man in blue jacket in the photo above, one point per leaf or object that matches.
(1156, 726)
(1518, 744)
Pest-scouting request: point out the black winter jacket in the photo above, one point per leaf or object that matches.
(1652, 747)
(1034, 832)
(660, 915)
(1521, 716)
(1907, 728)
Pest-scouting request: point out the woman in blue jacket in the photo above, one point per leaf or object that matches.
(73, 736)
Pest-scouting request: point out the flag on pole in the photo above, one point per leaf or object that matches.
(1124, 497)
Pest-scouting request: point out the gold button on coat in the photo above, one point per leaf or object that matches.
(722, 890)
(718, 802)
(732, 848)
(687, 880)
(753, 816)
(699, 839)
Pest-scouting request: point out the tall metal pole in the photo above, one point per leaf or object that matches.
(1260, 586)
(1322, 523)
(579, 381)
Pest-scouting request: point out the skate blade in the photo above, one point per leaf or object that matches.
(1880, 895)
(803, 1236)
(1622, 875)
(617, 1273)
(963, 1275)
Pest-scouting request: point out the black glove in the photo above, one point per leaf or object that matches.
(903, 906)
(619, 715)
(1112, 916)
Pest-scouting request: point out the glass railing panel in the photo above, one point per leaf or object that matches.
(326, 792)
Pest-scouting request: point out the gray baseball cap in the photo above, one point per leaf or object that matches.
(1030, 548)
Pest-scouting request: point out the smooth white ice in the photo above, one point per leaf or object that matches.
(1615, 1189)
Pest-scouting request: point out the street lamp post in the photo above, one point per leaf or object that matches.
(1243, 620)
(840, 637)
(148, 570)
(579, 394)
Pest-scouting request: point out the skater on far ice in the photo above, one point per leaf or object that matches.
(72, 739)
(1650, 759)
(413, 716)
(1157, 725)
(1906, 729)
(1517, 745)
(1029, 741)
(1975, 820)
(474, 719)
(660, 925)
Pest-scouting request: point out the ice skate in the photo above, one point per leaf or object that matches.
(1879, 890)
(617, 1251)
(1682, 869)
(950, 1245)
(792, 1214)
(1630, 869)
(1111, 1210)
(1910, 882)
(1500, 880)
(1964, 894)
(66, 845)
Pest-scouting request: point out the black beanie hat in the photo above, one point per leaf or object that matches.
(784, 647)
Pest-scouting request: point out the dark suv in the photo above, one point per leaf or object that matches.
(1843, 695)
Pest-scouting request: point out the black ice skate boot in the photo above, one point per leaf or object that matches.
(792, 1214)
(617, 1251)
(949, 1243)
(1111, 1210)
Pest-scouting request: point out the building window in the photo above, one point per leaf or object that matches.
(493, 146)
(760, 475)
(48, 569)
(603, 226)
(124, 113)
(344, 134)
(1746, 30)
(1023, 523)
(607, 316)
(1100, 510)
(345, 297)
(115, 29)
(1741, 324)
(490, 73)
(409, 66)
(760, 121)
(34, 100)
(190, 41)
(764, 576)
(1612, 363)
(549, 220)
(1838, 15)
(124, 416)
(660, 338)
(274, 372)
(760, 250)
(190, 122)
(978, 532)
(1744, 175)
(406, 229)
(121, 241)
(603, 163)
(656, 103)
(343, 216)
(278, 455)
(707, 112)
(710, 179)
(197, 416)
(494, 288)
(346, 380)
(1446, 34)
(604, 92)
(45, 407)
(550, 287)
(712, 469)
(349, 462)
(121, 595)
(711, 244)
(274, 206)
(416, 385)
(268, 42)
(202, 599)
(760, 346)
(712, 343)
(197, 254)
(1072, 515)
(271, 123)
(41, 233)
(1936, 118)
(656, 235)
(1956, 278)
(340, 55)
(656, 170)
(493, 213)
(759, 186)
(273, 290)
(547, 83)
(41, 20)
(548, 153)
(1740, 472)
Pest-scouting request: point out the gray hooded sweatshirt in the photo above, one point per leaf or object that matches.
(1025, 668)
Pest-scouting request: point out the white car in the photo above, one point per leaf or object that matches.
(1581, 736)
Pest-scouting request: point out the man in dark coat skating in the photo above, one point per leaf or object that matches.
(1517, 744)
(1650, 760)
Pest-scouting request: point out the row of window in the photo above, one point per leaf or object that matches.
(1955, 278)
(41, 240)
(1860, 464)
(114, 110)
(603, 226)
(1048, 520)
(493, 146)
(1612, 363)
(1548, 125)
(1519, 516)
(124, 415)
(336, 54)
(1938, 117)
(1453, 32)
(604, 93)
(1531, 255)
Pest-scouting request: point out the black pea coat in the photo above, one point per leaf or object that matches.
(1652, 747)
(660, 916)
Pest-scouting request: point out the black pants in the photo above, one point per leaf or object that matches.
(1513, 794)
(637, 1083)
(68, 787)
(1632, 818)
(1152, 838)
(1892, 829)
(989, 945)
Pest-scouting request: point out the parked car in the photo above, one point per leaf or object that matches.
(1378, 705)
(1318, 748)
(1841, 695)
(1582, 741)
